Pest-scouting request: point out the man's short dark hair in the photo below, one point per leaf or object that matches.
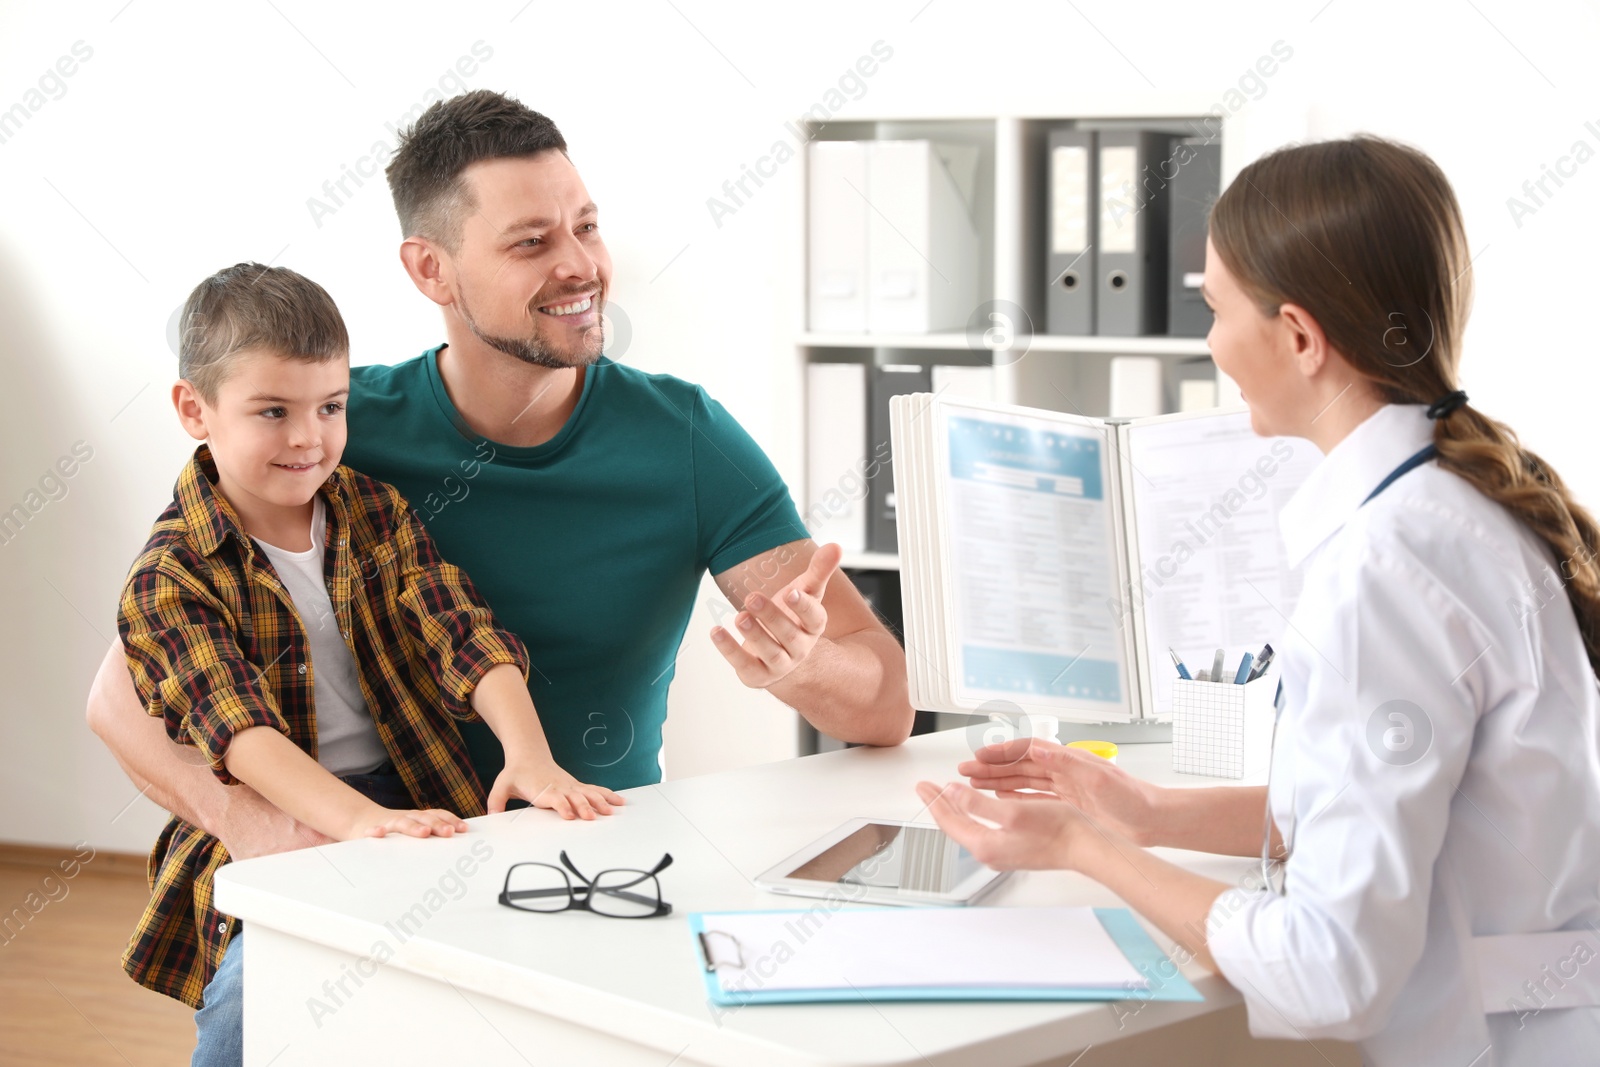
(250, 306)
(425, 173)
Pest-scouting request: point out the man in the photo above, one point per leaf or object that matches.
(585, 498)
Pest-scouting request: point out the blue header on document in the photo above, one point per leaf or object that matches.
(1021, 671)
(1016, 457)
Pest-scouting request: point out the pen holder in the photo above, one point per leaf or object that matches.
(1221, 729)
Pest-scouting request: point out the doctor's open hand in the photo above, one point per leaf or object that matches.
(1101, 790)
(1034, 835)
(779, 632)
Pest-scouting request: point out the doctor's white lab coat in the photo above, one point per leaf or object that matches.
(1436, 775)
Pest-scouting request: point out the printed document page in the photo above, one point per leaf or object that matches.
(1028, 517)
(1210, 564)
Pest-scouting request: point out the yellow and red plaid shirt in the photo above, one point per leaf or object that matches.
(215, 645)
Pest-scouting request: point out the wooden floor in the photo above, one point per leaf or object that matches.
(63, 996)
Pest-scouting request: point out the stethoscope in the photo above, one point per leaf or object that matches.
(1274, 872)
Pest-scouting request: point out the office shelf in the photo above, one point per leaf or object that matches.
(1143, 346)
(870, 561)
(1070, 374)
(944, 342)
(931, 341)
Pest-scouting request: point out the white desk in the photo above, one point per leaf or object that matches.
(434, 971)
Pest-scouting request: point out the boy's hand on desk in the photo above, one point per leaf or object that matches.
(544, 784)
(780, 632)
(428, 822)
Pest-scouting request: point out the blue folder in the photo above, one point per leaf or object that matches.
(1166, 980)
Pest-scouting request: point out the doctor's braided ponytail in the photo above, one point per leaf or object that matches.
(1366, 235)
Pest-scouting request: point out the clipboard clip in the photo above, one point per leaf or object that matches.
(712, 963)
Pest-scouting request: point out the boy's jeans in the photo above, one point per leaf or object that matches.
(219, 1024)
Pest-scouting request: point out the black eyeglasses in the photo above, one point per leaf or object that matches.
(620, 893)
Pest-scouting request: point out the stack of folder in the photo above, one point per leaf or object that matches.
(892, 242)
(1126, 231)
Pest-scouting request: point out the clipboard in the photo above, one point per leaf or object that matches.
(1165, 980)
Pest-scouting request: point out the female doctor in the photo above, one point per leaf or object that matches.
(1432, 814)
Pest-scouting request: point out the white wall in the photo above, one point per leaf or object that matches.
(194, 134)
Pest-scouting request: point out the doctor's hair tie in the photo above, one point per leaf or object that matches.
(1446, 404)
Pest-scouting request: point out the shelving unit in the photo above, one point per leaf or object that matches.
(1063, 373)
(1034, 369)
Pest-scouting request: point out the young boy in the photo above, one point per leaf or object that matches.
(293, 620)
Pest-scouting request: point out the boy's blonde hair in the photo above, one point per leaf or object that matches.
(249, 306)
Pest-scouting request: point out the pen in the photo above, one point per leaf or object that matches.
(1244, 670)
(1263, 661)
(1216, 667)
(1183, 672)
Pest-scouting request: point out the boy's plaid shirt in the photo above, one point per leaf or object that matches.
(215, 645)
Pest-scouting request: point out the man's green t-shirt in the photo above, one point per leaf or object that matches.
(590, 547)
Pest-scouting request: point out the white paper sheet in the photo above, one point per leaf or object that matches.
(1029, 521)
(922, 948)
(1212, 573)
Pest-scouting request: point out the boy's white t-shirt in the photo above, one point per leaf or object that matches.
(347, 738)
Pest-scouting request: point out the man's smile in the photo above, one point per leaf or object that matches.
(576, 307)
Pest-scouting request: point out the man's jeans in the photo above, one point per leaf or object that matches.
(219, 1024)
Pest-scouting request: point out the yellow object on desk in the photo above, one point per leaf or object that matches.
(1104, 749)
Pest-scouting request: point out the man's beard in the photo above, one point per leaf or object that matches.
(535, 351)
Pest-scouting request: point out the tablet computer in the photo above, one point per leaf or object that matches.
(883, 861)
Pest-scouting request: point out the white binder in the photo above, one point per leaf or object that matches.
(836, 220)
(953, 382)
(836, 454)
(922, 243)
(1136, 386)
